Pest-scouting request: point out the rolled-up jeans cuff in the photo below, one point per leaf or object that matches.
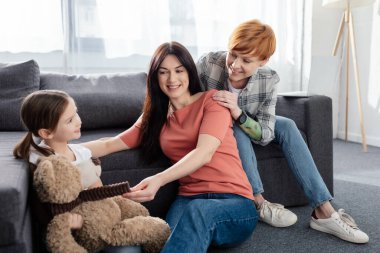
(314, 206)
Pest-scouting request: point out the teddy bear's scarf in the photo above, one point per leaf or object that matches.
(93, 194)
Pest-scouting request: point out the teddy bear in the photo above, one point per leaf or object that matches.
(112, 221)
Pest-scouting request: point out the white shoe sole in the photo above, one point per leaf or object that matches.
(280, 225)
(315, 226)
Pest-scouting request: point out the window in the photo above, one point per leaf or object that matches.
(85, 36)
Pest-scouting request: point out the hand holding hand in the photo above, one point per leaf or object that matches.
(75, 221)
(146, 190)
(228, 100)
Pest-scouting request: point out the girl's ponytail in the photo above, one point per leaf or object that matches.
(23, 148)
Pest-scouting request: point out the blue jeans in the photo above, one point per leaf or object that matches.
(196, 222)
(297, 155)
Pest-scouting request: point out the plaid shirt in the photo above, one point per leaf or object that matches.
(258, 99)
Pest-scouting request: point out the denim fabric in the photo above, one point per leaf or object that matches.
(196, 222)
(297, 155)
(248, 159)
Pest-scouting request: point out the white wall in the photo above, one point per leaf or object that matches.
(366, 19)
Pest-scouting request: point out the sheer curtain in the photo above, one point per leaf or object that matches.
(121, 35)
(133, 27)
(30, 26)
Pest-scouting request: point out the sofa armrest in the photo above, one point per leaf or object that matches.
(313, 117)
(14, 185)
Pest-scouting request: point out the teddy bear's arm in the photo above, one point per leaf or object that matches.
(59, 238)
(130, 208)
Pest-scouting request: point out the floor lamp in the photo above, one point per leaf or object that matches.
(347, 23)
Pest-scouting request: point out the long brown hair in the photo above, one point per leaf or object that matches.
(156, 102)
(40, 110)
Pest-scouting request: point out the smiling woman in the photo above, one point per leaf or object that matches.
(172, 67)
(214, 196)
(174, 81)
(241, 67)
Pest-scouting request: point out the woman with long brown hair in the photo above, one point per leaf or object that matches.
(214, 203)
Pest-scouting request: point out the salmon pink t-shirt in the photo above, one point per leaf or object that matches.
(224, 173)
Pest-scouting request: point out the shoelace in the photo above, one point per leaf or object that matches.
(270, 207)
(347, 219)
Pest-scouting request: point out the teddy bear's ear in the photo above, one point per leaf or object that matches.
(56, 180)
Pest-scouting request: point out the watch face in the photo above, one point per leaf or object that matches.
(242, 118)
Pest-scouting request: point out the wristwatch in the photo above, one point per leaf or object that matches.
(242, 118)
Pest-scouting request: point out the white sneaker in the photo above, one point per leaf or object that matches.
(276, 215)
(341, 225)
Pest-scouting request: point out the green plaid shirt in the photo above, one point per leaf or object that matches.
(258, 99)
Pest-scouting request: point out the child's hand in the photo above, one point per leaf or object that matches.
(75, 221)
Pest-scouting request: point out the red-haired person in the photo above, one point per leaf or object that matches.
(248, 89)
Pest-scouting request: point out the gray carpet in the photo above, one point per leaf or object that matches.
(357, 190)
(352, 164)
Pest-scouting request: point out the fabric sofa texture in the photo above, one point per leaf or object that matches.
(16, 81)
(109, 104)
(101, 99)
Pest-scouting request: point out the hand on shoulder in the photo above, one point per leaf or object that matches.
(228, 100)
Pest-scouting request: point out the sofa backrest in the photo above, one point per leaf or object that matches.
(103, 101)
(16, 82)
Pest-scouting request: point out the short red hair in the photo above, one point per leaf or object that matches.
(253, 38)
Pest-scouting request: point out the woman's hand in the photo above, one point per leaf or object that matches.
(146, 190)
(228, 100)
(75, 221)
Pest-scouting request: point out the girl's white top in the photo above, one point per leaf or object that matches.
(90, 173)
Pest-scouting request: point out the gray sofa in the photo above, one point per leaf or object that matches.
(108, 104)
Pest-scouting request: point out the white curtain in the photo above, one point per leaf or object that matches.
(133, 27)
(121, 35)
(30, 26)
(138, 27)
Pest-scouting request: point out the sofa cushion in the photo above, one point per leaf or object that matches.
(103, 101)
(16, 82)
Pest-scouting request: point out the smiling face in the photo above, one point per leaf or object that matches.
(69, 124)
(241, 67)
(173, 78)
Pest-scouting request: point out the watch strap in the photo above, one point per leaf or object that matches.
(239, 119)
